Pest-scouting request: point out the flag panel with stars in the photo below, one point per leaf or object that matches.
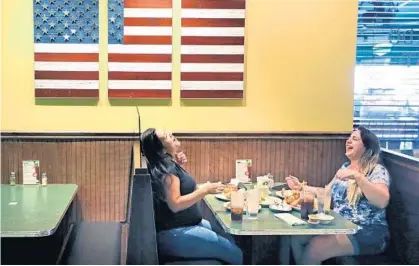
(66, 37)
(140, 48)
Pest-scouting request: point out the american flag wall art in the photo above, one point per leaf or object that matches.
(66, 37)
(212, 49)
(140, 49)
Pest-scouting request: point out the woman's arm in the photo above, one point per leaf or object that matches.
(377, 193)
(294, 183)
(177, 203)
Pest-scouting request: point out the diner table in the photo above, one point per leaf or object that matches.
(262, 233)
(35, 220)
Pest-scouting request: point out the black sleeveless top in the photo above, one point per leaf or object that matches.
(166, 219)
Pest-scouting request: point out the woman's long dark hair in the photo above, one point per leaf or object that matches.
(159, 163)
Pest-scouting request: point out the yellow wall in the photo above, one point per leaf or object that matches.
(299, 76)
(1, 61)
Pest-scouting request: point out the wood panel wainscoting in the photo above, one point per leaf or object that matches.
(99, 165)
(311, 157)
(99, 162)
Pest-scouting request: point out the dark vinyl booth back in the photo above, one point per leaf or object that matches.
(142, 242)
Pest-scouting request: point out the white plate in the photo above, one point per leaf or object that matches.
(270, 200)
(221, 197)
(280, 208)
(310, 222)
(325, 219)
(287, 193)
(227, 206)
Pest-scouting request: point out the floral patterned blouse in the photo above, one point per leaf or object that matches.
(364, 213)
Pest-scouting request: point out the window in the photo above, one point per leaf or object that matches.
(387, 72)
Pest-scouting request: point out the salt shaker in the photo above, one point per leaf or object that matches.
(12, 179)
(44, 179)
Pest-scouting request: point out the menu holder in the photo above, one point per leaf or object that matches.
(243, 170)
(30, 172)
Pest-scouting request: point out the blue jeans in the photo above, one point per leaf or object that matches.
(370, 240)
(198, 242)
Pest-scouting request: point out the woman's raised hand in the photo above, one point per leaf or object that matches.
(293, 183)
(213, 188)
(181, 158)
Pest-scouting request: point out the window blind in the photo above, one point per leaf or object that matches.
(387, 66)
(388, 32)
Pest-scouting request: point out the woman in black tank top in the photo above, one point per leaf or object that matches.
(181, 231)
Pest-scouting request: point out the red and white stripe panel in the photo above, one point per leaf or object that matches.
(141, 67)
(212, 51)
(66, 70)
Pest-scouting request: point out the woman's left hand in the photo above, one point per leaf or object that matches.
(345, 174)
(181, 158)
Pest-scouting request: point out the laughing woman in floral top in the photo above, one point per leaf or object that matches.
(360, 193)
